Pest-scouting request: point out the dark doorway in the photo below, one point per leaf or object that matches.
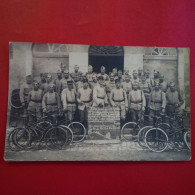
(108, 56)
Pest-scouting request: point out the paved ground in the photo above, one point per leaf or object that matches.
(98, 151)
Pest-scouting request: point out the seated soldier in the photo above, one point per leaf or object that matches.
(51, 101)
(68, 97)
(100, 98)
(34, 103)
(137, 102)
(174, 101)
(118, 98)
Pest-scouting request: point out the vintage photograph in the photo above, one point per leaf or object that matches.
(98, 103)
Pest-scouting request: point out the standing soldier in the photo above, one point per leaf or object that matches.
(84, 100)
(76, 75)
(174, 101)
(140, 74)
(43, 79)
(51, 100)
(157, 102)
(127, 85)
(110, 85)
(137, 102)
(118, 98)
(135, 77)
(25, 88)
(68, 98)
(90, 74)
(103, 73)
(155, 79)
(34, 102)
(63, 68)
(163, 84)
(57, 80)
(147, 75)
(120, 76)
(63, 82)
(146, 88)
(94, 81)
(115, 72)
(100, 98)
(45, 86)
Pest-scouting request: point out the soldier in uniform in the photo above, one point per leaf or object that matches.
(103, 74)
(45, 86)
(135, 77)
(140, 74)
(76, 75)
(57, 80)
(63, 68)
(110, 85)
(25, 88)
(127, 85)
(147, 75)
(146, 88)
(68, 97)
(120, 76)
(84, 100)
(174, 101)
(155, 79)
(43, 79)
(34, 102)
(90, 74)
(137, 102)
(163, 84)
(100, 98)
(157, 102)
(63, 82)
(115, 72)
(118, 98)
(94, 81)
(51, 101)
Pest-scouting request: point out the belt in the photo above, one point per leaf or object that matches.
(101, 97)
(52, 104)
(87, 101)
(170, 104)
(157, 102)
(37, 101)
(118, 100)
(139, 102)
(71, 102)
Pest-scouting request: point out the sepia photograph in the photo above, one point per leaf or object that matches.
(98, 103)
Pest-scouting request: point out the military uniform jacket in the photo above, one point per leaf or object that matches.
(76, 76)
(145, 87)
(157, 100)
(127, 86)
(99, 95)
(45, 87)
(163, 86)
(68, 98)
(24, 90)
(84, 98)
(109, 86)
(105, 76)
(173, 97)
(63, 84)
(137, 99)
(118, 96)
(89, 77)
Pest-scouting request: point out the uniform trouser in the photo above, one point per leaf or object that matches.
(84, 117)
(70, 112)
(135, 115)
(153, 114)
(34, 111)
(121, 105)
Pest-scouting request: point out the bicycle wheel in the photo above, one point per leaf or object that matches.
(130, 130)
(11, 142)
(187, 139)
(55, 138)
(178, 139)
(156, 139)
(141, 136)
(22, 138)
(69, 134)
(78, 130)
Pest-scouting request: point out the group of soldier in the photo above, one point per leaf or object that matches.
(134, 94)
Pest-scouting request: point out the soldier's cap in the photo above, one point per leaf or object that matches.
(66, 72)
(103, 68)
(135, 72)
(117, 81)
(29, 77)
(70, 82)
(49, 75)
(172, 84)
(90, 66)
(100, 77)
(161, 76)
(139, 68)
(35, 82)
(85, 80)
(156, 72)
(76, 66)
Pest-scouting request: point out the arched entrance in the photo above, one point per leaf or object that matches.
(108, 56)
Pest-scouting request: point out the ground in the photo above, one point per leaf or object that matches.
(98, 151)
